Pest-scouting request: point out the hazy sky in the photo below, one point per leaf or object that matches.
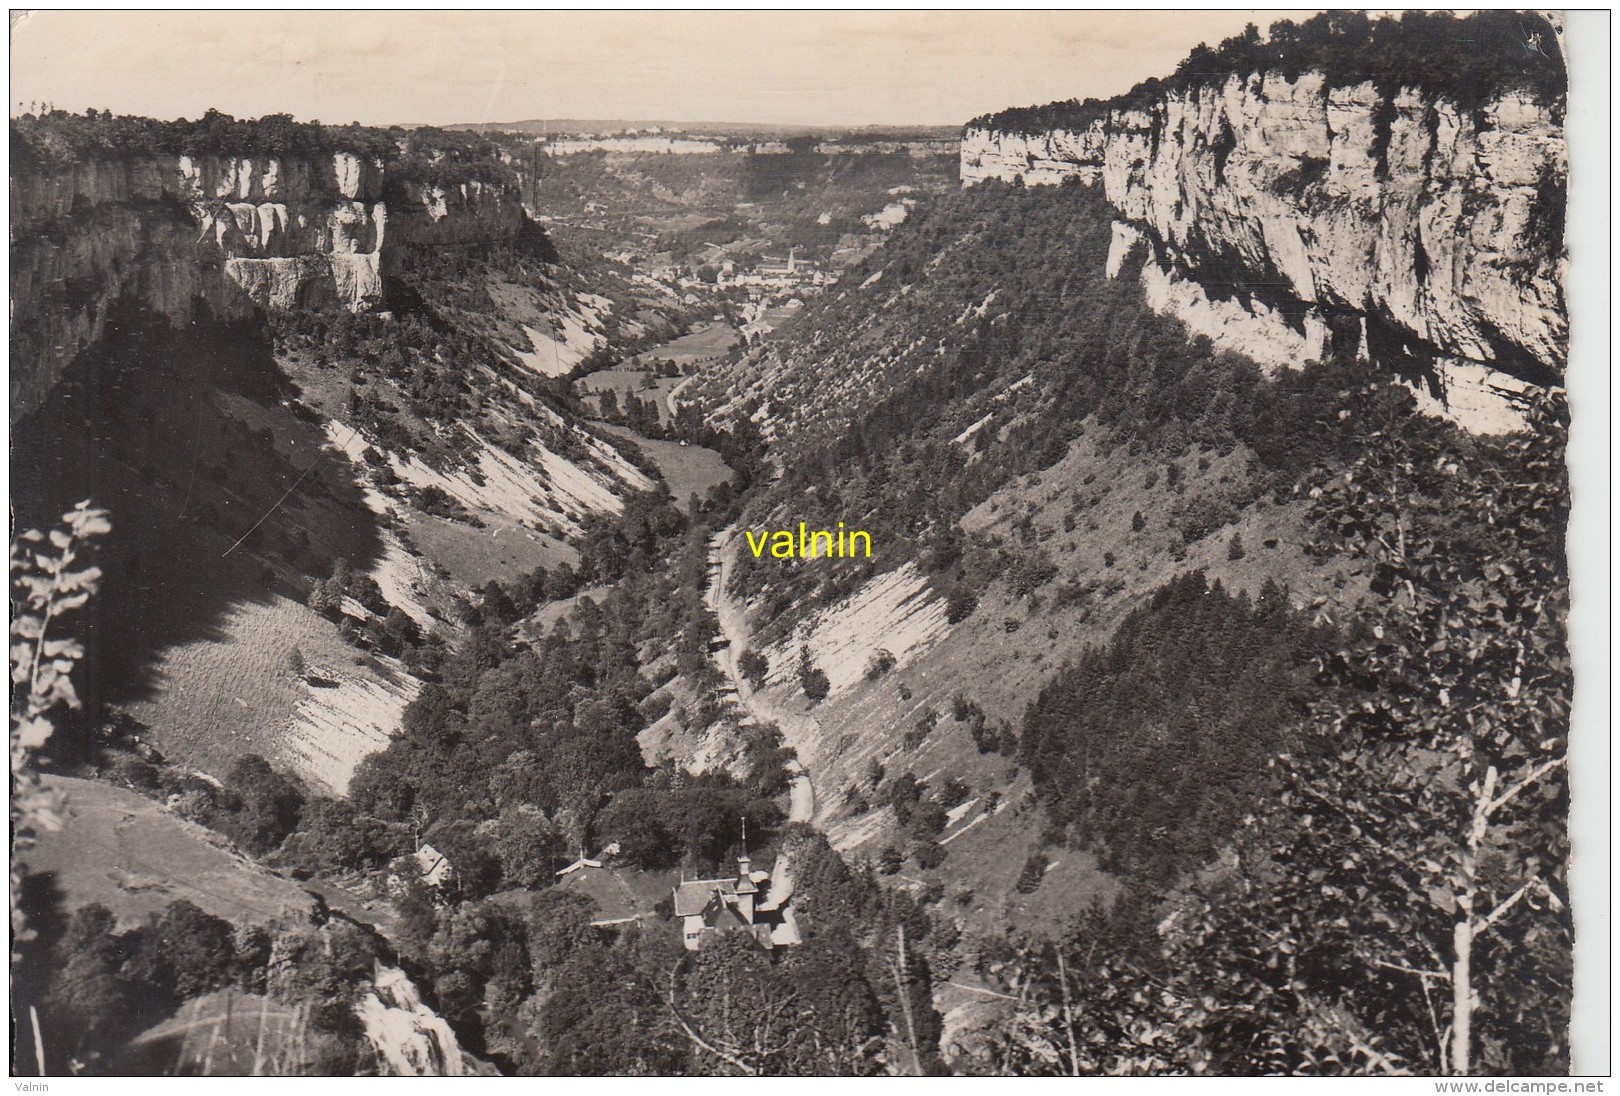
(380, 67)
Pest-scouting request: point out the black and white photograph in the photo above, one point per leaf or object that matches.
(773, 543)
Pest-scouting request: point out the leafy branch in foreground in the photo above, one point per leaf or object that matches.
(1409, 876)
(1397, 902)
(47, 583)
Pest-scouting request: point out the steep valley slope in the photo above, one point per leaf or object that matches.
(1207, 440)
(987, 443)
(271, 365)
(1124, 359)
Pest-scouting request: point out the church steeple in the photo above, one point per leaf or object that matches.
(745, 882)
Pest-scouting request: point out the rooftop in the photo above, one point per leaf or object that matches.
(693, 895)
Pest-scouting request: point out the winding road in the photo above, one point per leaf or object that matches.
(797, 729)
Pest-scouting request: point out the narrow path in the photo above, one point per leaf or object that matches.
(797, 729)
(985, 992)
(802, 796)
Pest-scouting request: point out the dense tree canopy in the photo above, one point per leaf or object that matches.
(1150, 749)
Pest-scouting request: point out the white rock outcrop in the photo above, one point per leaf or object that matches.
(1284, 218)
(223, 236)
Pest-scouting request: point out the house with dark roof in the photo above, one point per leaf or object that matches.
(708, 907)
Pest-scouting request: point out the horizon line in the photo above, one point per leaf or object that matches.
(24, 110)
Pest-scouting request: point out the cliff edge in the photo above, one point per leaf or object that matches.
(217, 235)
(1415, 223)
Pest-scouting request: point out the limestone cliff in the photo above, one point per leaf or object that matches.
(456, 214)
(183, 236)
(1287, 217)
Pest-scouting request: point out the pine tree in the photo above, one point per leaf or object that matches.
(811, 678)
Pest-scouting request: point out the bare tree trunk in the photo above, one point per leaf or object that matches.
(258, 1046)
(1468, 925)
(39, 1040)
(1461, 989)
(1462, 952)
(1068, 1015)
(1462, 933)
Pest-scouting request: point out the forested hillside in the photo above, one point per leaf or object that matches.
(408, 685)
(446, 605)
(963, 392)
(976, 348)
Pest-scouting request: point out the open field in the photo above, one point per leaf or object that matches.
(705, 343)
(128, 853)
(685, 468)
(212, 700)
(619, 893)
(501, 550)
(347, 713)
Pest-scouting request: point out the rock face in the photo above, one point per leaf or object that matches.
(1287, 218)
(221, 236)
(452, 216)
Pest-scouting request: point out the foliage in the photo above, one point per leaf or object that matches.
(529, 745)
(603, 1012)
(802, 1016)
(479, 951)
(1088, 1007)
(528, 979)
(753, 666)
(1395, 900)
(528, 846)
(1442, 785)
(1062, 351)
(891, 930)
(262, 806)
(698, 822)
(424, 154)
(1151, 748)
(430, 156)
(1031, 874)
(812, 679)
(43, 573)
(108, 986)
(47, 582)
